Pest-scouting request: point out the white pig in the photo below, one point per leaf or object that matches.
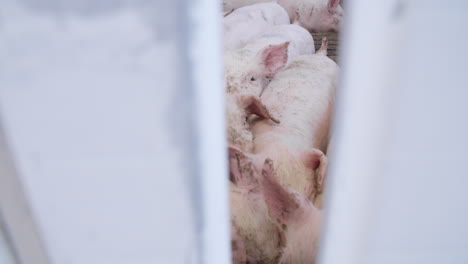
(301, 97)
(246, 74)
(259, 215)
(314, 15)
(295, 214)
(301, 41)
(247, 71)
(255, 238)
(231, 5)
(249, 22)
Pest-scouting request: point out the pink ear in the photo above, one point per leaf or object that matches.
(274, 57)
(332, 5)
(317, 161)
(254, 105)
(280, 202)
(241, 168)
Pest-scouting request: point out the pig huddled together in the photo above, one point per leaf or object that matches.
(279, 98)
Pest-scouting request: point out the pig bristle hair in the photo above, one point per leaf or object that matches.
(323, 49)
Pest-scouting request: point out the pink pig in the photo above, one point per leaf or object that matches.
(248, 71)
(249, 22)
(230, 5)
(301, 97)
(301, 41)
(314, 15)
(265, 215)
(255, 238)
(246, 75)
(295, 214)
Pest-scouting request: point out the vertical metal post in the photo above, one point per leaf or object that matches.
(398, 179)
(17, 222)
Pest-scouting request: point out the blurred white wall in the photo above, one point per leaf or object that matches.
(399, 175)
(99, 108)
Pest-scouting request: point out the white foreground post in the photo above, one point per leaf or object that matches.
(115, 114)
(398, 177)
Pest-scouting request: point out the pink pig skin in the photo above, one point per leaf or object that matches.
(313, 15)
(301, 97)
(301, 41)
(271, 223)
(247, 72)
(255, 238)
(295, 215)
(246, 76)
(249, 22)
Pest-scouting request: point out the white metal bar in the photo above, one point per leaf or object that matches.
(398, 179)
(19, 224)
(207, 70)
(97, 118)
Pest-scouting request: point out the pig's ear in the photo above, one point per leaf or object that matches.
(317, 161)
(241, 168)
(253, 105)
(332, 5)
(274, 58)
(280, 201)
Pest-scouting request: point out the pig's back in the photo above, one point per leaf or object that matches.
(230, 5)
(301, 97)
(301, 41)
(247, 23)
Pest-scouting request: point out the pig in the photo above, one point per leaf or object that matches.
(230, 5)
(258, 234)
(246, 75)
(313, 15)
(301, 96)
(249, 22)
(295, 215)
(248, 71)
(254, 237)
(301, 41)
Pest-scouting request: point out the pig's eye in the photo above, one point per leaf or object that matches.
(253, 79)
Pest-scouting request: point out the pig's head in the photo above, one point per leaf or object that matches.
(255, 238)
(249, 74)
(239, 108)
(295, 215)
(324, 16)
